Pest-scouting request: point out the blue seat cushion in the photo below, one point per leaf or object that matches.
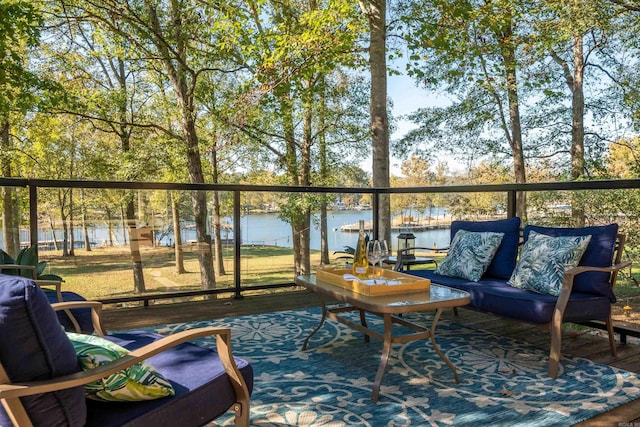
(82, 315)
(34, 347)
(504, 261)
(497, 297)
(203, 390)
(599, 253)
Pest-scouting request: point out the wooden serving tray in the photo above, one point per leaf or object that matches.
(403, 282)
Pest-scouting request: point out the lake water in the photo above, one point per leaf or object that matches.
(270, 230)
(266, 229)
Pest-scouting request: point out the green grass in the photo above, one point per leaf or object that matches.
(107, 272)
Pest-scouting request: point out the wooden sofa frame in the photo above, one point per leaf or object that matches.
(555, 326)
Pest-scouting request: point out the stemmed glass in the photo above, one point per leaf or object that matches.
(377, 251)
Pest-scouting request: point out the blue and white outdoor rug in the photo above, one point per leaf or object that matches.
(502, 381)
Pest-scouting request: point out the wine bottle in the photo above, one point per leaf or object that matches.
(360, 263)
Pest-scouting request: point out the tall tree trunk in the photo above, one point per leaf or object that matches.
(577, 129)
(52, 225)
(199, 198)
(174, 62)
(63, 218)
(72, 238)
(519, 167)
(109, 228)
(217, 228)
(504, 37)
(85, 231)
(324, 175)
(177, 235)
(305, 181)
(134, 246)
(376, 14)
(10, 227)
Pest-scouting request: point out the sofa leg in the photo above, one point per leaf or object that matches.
(554, 353)
(612, 338)
(242, 415)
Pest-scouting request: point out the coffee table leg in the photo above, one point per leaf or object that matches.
(384, 358)
(437, 349)
(363, 322)
(324, 317)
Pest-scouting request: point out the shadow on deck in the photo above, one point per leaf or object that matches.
(584, 343)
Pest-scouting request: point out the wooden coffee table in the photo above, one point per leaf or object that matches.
(388, 307)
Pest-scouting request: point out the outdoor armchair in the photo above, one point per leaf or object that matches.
(41, 382)
(78, 320)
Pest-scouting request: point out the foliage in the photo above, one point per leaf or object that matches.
(27, 257)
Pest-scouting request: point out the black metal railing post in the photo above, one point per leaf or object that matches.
(511, 203)
(237, 277)
(375, 204)
(33, 216)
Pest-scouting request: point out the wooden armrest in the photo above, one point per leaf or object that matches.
(223, 343)
(583, 268)
(20, 267)
(55, 283)
(96, 313)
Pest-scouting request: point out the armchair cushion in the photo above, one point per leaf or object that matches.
(504, 260)
(599, 253)
(138, 382)
(202, 388)
(34, 347)
(82, 315)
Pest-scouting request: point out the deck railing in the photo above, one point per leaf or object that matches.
(508, 191)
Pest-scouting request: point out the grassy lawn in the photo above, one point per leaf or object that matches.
(107, 272)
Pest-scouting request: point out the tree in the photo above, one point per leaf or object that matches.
(376, 13)
(469, 49)
(293, 52)
(574, 33)
(181, 41)
(19, 32)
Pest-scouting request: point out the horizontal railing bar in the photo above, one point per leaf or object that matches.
(149, 297)
(129, 185)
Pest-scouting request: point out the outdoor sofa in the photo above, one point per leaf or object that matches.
(585, 292)
(41, 381)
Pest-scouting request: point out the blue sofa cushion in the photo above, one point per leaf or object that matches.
(504, 260)
(495, 296)
(599, 253)
(34, 347)
(82, 315)
(197, 376)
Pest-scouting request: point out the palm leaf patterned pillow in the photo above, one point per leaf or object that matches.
(544, 259)
(470, 254)
(138, 382)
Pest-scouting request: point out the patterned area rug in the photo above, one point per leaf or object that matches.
(502, 381)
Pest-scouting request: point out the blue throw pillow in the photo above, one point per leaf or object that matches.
(470, 254)
(34, 347)
(504, 260)
(544, 260)
(599, 253)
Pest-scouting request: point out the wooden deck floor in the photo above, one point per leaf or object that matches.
(586, 344)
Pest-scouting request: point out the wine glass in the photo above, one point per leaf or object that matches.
(375, 254)
(384, 249)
